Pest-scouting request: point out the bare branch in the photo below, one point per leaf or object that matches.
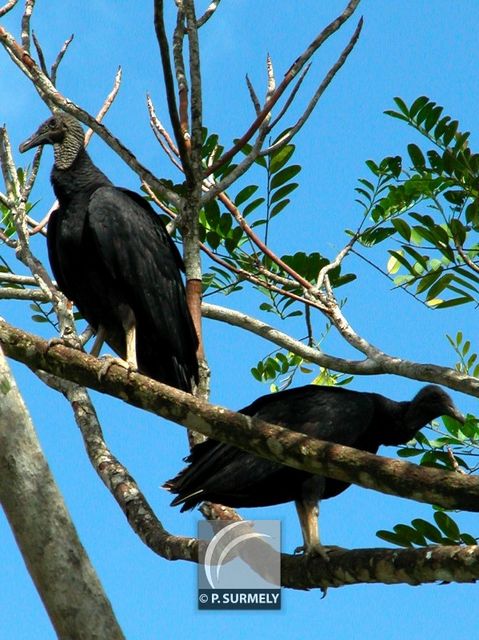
(289, 100)
(39, 50)
(36, 295)
(162, 136)
(289, 76)
(181, 81)
(26, 18)
(317, 95)
(59, 58)
(170, 91)
(382, 363)
(196, 108)
(106, 104)
(7, 7)
(17, 279)
(253, 96)
(210, 9)
(334, 263)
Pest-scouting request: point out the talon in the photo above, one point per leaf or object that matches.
(108, 361)
(65, 341)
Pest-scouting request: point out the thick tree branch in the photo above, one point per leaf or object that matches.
(301, 572)
(53, 553)
(433, 486)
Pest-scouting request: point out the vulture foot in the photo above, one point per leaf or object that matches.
(108, 361)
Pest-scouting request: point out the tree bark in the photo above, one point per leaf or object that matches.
(447, 489)
(46, 536)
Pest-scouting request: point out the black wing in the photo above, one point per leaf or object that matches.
(143, 261)
(222, 473)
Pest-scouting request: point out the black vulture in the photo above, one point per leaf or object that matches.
(227, 475)
(112, 256)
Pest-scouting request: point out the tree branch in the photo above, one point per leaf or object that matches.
(170, 88)
(317, 95)
(447, 489)
(53, 98)
(48, 541)
(289, 76)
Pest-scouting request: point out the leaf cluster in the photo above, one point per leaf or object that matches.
(427, 203)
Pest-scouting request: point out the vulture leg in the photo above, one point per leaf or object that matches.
(129, 325)
(99, 340)
(308, 513)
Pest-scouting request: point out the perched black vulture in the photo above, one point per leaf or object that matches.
(230, 476)
(112, 256)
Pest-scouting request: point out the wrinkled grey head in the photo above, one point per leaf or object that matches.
(62, 131)
(432, 402)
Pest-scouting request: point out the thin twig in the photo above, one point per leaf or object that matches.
(210, 9)
(41, 57)
(253, 96)
(59, 58)
(7, 7)
(170, 90)
(289, 76)
(290, 98)
(317, 95)
(162, 137)
(106, 104)
(466, 258)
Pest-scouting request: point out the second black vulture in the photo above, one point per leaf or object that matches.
(227, 475)
(112, 256)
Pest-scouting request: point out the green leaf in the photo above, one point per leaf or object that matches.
(395, 114)
(417, 105)
(278, 207)
(417, 157)
(252, 206)
(280, 193)
(447, 525)
(284, 175)
(433, 118)
(281, 157)
(393, 538)
(402, 228)
(454, 302)
(245, 194)
(427, 529)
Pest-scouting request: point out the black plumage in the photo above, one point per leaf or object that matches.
(230, 476)
(112, 256)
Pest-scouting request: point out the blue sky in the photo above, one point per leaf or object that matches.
(407, 48)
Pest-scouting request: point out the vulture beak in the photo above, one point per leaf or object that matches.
(456, 414)
(35, 140)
